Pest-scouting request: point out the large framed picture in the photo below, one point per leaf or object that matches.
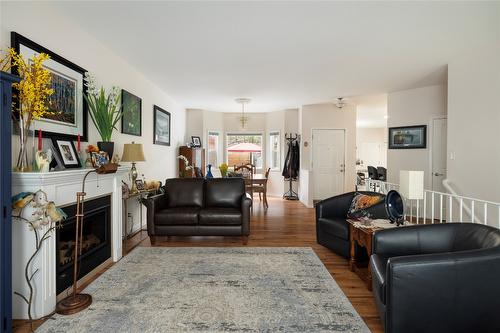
(132, 114)
(68, 108)
(408, 137)
(67, 152)
(161, 126)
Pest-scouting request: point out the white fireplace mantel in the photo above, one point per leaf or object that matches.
(61, 187)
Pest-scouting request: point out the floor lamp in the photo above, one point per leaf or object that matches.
(77, 302)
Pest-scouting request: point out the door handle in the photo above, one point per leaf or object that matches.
(437, 174)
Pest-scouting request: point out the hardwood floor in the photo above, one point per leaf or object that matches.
(286, 223)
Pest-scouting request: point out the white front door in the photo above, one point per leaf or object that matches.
(439, 133)
(328, 162)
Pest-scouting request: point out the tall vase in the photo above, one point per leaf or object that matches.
(209, 172)
(23, 164)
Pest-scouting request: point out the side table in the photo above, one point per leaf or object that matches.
(139, 196)
(361, 233)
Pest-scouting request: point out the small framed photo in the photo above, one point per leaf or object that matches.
(139, 184)
(408, 137)
(196, 141)
(161, 126)
(67, 152)
(99, 159)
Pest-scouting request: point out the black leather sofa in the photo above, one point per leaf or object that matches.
(437, 278)
(200, 207)
(332, 230)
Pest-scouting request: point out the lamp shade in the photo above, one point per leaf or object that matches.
(132, 152)
(411, 184)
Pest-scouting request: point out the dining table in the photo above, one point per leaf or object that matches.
(258, 179)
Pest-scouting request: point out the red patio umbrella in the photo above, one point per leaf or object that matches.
(245, 147)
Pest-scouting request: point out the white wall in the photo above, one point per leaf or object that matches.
(414, 107)
(43, 24)
(327, 116)
(474, 114)
(371, 146)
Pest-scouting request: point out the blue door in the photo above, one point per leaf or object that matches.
(6, 81)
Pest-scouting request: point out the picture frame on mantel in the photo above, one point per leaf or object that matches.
(408, 137)
(67, 153)
(68, 108)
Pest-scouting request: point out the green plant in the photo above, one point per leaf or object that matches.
(104, 109)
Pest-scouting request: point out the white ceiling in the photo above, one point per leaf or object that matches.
(281, 54)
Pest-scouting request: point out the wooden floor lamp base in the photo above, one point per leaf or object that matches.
(73, 304)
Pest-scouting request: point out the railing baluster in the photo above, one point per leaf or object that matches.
(485, 213)
(461, 209)
(440, 208)
(450, 202)
(417, 210)
(425, 207)
(432, 204)
(472, 211)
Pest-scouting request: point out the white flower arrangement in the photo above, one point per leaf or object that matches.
(186, 162)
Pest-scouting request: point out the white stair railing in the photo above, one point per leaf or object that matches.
(439, 207)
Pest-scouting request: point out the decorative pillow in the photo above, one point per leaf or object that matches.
(365, 205)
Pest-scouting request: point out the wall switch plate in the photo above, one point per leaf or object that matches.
(452, 155)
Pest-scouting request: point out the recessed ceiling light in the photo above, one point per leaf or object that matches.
(386, 117)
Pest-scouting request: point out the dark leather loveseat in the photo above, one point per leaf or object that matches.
(200, 207)
(437, 278)
(332, 230)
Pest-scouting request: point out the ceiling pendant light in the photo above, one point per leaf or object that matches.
(243, 118)
(340, 102)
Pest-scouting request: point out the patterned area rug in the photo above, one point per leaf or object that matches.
(214, 290)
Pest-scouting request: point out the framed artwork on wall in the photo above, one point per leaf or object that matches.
(162, 126)
(132, 114)
(67, 152)
(408, 137)
(68, 110)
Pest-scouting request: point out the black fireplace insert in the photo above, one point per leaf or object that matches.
(95, 241)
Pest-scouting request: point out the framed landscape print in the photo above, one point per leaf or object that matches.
(161, 126)
(67, 152)
(409, 137)
(132, 114)
(68, 109)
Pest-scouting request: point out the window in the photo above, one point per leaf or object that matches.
(244, 149)
(213, 149)
(274, 150)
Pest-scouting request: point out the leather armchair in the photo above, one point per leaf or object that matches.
(200, 207)
(332, 229)
(437, 278)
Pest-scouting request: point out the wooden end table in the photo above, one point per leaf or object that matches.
(363, 236)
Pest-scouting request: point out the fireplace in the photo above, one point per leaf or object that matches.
(95, 241)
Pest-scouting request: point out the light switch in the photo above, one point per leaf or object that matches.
(452, 155)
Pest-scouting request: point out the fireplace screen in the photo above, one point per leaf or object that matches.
(95, 241)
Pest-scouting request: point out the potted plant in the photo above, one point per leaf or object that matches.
(104, 110)
(32, 93)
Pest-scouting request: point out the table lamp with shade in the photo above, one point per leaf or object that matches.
(132, 152)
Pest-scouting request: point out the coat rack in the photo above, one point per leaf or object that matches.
(292, 163)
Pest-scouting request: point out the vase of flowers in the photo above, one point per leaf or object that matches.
(104, 110)
(32, 93)
(187, 167)
(223, 170)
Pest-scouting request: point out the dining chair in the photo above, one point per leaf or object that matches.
(262, 189)
(247, 173)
